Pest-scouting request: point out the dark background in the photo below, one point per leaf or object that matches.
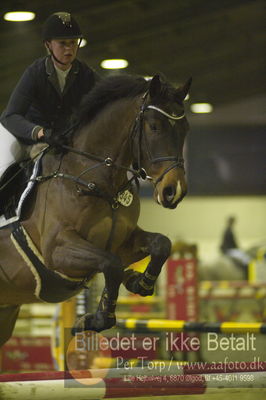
(227, 161)
(221, 44)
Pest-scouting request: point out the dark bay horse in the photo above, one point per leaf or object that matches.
(82, 219)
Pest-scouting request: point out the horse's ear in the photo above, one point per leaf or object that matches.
(155, 86)
(182, 91)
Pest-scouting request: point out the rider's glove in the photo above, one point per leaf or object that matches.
(52, 139)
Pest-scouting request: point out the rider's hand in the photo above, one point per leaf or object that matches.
(40, 134)
(51, 138)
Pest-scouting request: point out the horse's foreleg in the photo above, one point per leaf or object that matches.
(8, 317)
(77, 257)
(105, 314)
(105, 318)
(158, 247)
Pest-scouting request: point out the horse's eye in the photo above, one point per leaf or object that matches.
(154, 127)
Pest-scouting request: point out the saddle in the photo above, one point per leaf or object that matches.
(16, 184)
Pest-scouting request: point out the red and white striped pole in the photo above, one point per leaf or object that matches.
(98, 388)
(131, 383)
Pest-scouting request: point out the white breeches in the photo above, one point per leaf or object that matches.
(10, 149)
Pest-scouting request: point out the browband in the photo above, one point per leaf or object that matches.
(174, 117)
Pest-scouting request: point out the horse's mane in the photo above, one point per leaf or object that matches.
(113, 88)
(108, 90)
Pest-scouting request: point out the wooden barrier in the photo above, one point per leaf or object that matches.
(183, 326)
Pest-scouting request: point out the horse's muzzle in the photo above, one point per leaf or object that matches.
(170, 195)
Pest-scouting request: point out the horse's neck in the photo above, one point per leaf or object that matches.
(108, 134)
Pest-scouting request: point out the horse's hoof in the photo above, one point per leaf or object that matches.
(94, 322)
(134, 283)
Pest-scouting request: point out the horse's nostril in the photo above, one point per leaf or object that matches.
(169, 193)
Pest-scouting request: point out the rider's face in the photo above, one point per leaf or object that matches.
(65, 50)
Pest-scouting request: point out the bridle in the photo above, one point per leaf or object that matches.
(169, 116)
(90, 188)
(178, 162)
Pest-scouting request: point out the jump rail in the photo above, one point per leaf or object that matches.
(184, 326)
(124, 383)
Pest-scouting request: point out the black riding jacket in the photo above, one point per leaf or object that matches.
(37, 101)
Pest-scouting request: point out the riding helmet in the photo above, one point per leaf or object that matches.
(61, 25)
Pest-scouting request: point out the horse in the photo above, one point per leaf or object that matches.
(222, 268)
(81, 218)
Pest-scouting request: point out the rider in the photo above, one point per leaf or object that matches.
(229, 246)
(48, 92)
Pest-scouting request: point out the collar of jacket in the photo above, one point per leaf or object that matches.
(52, 76)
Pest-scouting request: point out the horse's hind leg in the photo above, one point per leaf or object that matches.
(8, 317)
(146, 243)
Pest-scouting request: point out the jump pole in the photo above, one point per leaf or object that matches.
(128, 386)
(153, 325)
(98, 388)
(174, 379)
